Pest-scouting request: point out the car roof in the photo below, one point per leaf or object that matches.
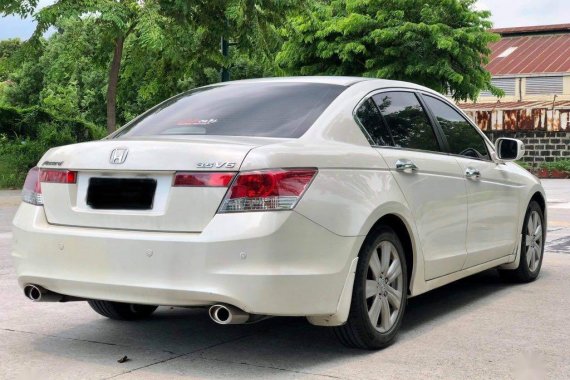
(334, 80)
(338, 80)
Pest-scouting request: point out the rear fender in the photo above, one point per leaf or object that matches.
(516, 256)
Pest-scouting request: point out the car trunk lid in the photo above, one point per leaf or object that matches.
(128, 184)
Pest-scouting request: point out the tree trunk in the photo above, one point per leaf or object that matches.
(112, 85)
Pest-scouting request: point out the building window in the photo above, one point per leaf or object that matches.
(505, 84)
(544, 85)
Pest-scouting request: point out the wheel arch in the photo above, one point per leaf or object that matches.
(405, 233)
(536, 194)
(538, 197)
(401, 228)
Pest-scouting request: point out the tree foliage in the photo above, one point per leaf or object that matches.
(442, 44)
(26, 134)
(172, 46)
(7, 49)
(157, 28)
(136, 53)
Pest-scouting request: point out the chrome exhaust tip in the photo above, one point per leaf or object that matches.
(37, 293)
(33, 292)
(228, 315)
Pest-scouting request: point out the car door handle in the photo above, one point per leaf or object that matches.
(403, 164)
(472, 173)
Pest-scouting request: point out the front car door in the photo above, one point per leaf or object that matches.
(493, 194)
(432, 182)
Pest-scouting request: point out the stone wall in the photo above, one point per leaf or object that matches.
(540, 146)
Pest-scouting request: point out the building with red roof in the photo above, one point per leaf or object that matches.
(532, 66)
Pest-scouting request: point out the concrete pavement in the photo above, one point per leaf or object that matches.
(476, 328)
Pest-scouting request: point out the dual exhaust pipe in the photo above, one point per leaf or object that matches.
(220, 313)
(231, 315)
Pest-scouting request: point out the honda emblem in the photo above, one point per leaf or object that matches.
(119, 155)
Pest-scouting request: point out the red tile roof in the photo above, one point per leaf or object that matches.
(497, 105)
(533, 29)
(513, 105)
(534, 53)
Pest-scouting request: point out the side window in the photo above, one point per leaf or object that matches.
(461, 136)
(407, 122)
(370, 118)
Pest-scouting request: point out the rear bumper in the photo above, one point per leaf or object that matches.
(274, 263)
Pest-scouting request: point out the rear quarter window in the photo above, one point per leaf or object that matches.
(245, 109)
(407, 121)
(370, 119)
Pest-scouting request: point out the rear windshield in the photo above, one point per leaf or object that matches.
(248, 109)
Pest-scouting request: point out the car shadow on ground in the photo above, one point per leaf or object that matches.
(445, 301)
(290, 343)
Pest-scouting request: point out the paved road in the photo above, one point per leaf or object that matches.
(475, 328)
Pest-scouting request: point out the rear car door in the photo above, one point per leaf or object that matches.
(492, 192)
(432, 182)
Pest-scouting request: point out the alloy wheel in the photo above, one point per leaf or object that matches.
(384, 286)
(533, 241)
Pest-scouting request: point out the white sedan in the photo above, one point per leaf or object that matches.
(330, 198)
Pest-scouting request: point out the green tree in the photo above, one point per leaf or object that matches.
(7, 49)
(66, 73)
(152, 24)
(117, 20)
(442, 44)
(25, 77)
(75, 63)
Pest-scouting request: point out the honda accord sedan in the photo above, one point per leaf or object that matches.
(330, 198)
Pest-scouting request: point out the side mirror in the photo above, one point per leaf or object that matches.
(509, 149)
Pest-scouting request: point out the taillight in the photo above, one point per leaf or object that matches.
(265, 190)
(32, 191)
(203, 179)
(57, 176)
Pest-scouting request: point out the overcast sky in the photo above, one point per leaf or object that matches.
(505, 13)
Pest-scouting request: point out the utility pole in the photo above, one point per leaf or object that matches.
(225, 53)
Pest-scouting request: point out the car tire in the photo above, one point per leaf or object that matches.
(532, 247)
(378, 283)
(122, 311)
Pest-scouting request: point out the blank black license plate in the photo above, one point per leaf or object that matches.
(121, 193)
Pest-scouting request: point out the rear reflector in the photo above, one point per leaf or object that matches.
(201, 179)
(57, 176)
(32, 191)
(265, 190)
